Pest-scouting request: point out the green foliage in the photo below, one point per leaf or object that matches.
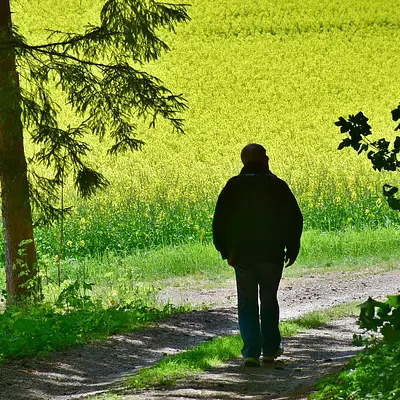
(31, 279)
(383, 317)
(74, 318)
(372, 374)
(118, 274)
(93, 230)
(75, 296)
(375, 372)
(128, 227)
(378, 152)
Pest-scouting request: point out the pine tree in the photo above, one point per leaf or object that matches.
(101, 74)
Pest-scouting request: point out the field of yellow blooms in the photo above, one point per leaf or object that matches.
(275, 72)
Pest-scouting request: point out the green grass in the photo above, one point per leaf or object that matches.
(358, 249)
(136, 224)
(120, 276)
(72, 320)
(137, 277)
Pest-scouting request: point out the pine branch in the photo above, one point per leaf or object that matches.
(128, 27)
(95, 70)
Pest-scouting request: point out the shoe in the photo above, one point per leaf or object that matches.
(279, 352)
(251, 362)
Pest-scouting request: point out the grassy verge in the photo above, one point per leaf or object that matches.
(321, 252)
(118, 276)
(350, 249)
(215, 352)
(121, 278)
(124, 228)
(38, 330)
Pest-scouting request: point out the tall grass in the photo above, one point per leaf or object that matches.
(136, 224)
(126, 275)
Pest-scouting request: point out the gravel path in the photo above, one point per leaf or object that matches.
(94, 368)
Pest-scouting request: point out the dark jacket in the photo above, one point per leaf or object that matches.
(256, 218)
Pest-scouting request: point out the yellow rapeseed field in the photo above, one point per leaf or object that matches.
(276, 72)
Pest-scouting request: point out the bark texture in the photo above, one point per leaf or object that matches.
(21, 261)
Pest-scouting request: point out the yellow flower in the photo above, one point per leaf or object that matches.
(69, 243)
(82, 243)
(82, 223)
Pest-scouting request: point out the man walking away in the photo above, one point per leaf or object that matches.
(257, 228)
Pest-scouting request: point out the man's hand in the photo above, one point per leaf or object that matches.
(289, 261)
(230, 261)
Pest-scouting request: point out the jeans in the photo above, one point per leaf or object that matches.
(255, 280)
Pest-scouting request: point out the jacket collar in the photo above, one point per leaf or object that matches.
(254, 169)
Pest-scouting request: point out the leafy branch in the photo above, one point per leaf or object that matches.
(99, 73)
(383, 317)
(380, 154)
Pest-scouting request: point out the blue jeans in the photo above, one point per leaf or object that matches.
(255, 280)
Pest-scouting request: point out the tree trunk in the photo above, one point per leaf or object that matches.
(21, 261)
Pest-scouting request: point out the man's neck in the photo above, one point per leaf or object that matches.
(255, 168)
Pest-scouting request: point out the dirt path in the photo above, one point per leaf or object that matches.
(309, 356)
(95, 368)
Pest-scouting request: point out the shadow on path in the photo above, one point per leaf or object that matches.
(98, 366)
(308, 356)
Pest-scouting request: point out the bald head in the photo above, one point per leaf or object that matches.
(254, 153)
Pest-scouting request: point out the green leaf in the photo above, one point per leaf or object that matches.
(394, 203)
(360, 119)
(394, 301)
(390, 334)
(24, 325)
(345, 126)
(389, 190)
(88, 286)
(367, 314)
(396, 113)
(364, 147)
(344, 143)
